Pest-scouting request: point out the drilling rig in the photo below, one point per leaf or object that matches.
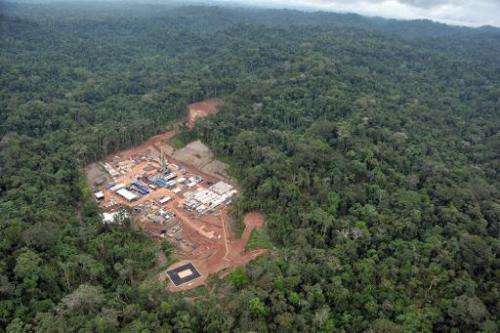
(163, 162)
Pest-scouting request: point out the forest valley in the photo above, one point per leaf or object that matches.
(371, 146)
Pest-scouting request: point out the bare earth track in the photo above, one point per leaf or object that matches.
(229, 254)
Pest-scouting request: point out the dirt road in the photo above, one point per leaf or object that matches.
(229, 255)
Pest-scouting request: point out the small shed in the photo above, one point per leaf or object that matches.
(99, 195)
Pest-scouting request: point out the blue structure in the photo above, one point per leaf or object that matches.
(142, 189)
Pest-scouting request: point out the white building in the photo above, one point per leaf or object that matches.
(205, 196)
(164, 200)
(114, 217)
(111, 170)
(117, 187)
(129, 196)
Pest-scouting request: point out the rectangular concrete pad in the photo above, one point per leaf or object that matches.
(180, 274)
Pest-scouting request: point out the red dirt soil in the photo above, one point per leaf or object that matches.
(151, 144)
(214, 247)
(202, 109)
(228, 254)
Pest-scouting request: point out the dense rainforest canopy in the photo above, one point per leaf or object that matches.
(372, 146)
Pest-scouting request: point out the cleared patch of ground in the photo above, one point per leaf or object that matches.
(199, 155)
(202, 238)
(202, 109)
(228, 255)
(216, 168)
(196, 154)
(96, 175)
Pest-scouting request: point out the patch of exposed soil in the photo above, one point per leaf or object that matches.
(202, 109)
(228, 254)
(203, 239)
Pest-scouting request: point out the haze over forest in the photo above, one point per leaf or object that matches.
(472, 13)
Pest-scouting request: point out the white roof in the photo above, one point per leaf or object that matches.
(127, 194)
(99, 194)
(117, 187)
(201, 208)
(170, 176)
(205, 196)
(109, 217)
(164, 199)
(185, 273)
(110, 169)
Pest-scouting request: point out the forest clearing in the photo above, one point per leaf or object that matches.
(171, 194)
(202, 109)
